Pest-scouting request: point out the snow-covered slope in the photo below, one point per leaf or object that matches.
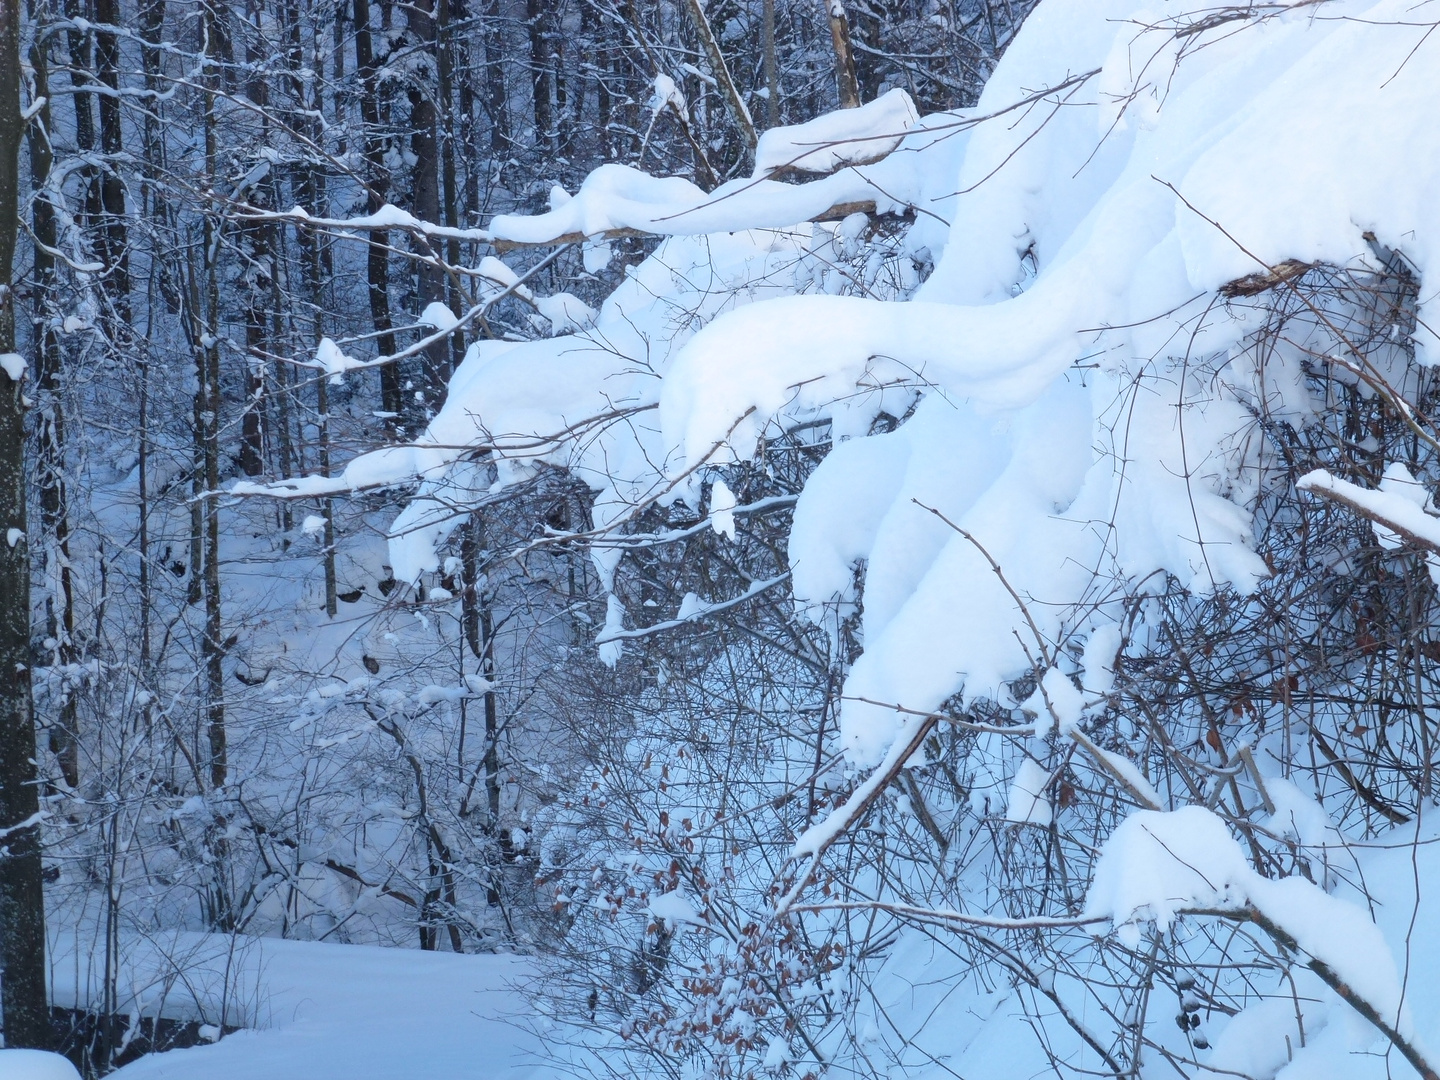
(356, 1012)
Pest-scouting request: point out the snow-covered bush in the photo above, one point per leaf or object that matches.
(1038, 391)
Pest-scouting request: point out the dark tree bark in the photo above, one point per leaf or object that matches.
(378, 185)
(425, 195)
(772, 68)
(497, 102)
(255, 244)
(537, 20)
(22, 899)
(448, 130)
(113, 247)
(212, 648)
(50, 468)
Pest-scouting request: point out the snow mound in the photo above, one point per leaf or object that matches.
(35, 1065)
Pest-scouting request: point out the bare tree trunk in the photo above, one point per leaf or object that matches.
(772, 67)
(152, 23)
(847, 83)
(211, 647)
(478, 623)
(733, 101)
(425, 177)
(114, 248)
(538, 22)
(497, 100)
(22, 898)
(311, 188)
(378, 184)
(255, 240)
(445, 66)
(81, 66)
(54, 510)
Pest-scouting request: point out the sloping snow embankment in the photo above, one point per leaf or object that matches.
(355, 1012)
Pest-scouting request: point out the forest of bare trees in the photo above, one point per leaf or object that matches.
(471, 483)
(165, 313)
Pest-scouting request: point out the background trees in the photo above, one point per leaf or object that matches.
(245, 722)
(308, 716)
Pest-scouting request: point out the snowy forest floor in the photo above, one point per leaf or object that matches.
(315, 1011)
(358, 1012)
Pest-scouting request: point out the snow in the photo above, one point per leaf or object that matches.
(1399, 501)
(1122, 769)
(14, 536)
(332, 359)
(1098, 663)
(615, 198)
(35, 1065)
(722, 509)
(664, 94)
(438, 316)
(14, 365)
(565, 313)
(1056, 702)
(674, 909)
(1156, 866)
(1266, 130)
(351, 1012)
(612, 198)
(1027, 802)
(847, 137)
(1030, 420)
(313, 525)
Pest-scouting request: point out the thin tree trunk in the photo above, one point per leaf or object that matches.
(772, 67)
(497, 100)
(538, 22)
(22, 898)
(81, 67)
(424, 145)
(378, 184)
(114, 249)
(445, 66)
(152, 23)
(255, 237)
(311, 189)
(847, 83)
(733, 101)
(211, 647)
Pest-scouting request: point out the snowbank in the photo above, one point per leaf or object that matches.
(354, 1012)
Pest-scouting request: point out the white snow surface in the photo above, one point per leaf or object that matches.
(1027, 802)
(847, 137)
(1399, 500)
(439, 316)
(14, 365)
(335, 1012)
(35, 1065)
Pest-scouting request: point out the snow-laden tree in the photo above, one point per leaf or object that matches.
(1094, 422)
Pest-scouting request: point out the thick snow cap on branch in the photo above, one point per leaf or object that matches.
(847, 137)
(1157, 866)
